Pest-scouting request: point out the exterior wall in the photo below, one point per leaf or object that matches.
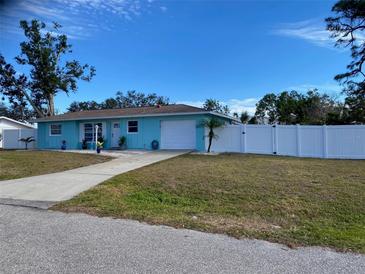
(148, 130)
(70, 133)
(6, 124)
(11, 138)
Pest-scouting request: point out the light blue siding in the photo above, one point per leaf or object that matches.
(70, 133)
(148, 130)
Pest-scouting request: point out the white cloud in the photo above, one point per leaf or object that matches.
(312, 30)
(34, 7)
(77, 16)
(163, 8)
(238, 105)
(130, 7)
(329, 88)
(235, 105)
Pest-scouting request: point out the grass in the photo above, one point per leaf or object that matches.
(17, 164)
(293, 201)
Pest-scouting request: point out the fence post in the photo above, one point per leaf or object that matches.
(275, 139)
(324, 133)
(298, 141)
(243, 138)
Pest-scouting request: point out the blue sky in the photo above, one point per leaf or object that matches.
(233, 51)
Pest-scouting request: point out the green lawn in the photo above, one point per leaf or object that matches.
(18, 164)
(281, 199)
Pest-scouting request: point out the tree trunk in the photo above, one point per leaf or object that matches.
(51, 111)
(39, 111)
(210, 143)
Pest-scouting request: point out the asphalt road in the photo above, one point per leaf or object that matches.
(40, 241)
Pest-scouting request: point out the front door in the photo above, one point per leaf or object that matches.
(115, 134)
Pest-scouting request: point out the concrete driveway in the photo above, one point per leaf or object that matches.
(44, 190)
(43, 241)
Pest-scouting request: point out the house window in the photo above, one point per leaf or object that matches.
(89, 131)
(132, 126)
(55, 130)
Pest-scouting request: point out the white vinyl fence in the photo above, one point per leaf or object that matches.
(347, 142)
(10, 138)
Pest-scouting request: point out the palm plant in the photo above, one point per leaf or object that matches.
(211, 124)
(26, 141)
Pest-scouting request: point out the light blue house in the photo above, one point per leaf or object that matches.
(173, 127)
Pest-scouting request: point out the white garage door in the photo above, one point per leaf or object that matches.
(178, 134)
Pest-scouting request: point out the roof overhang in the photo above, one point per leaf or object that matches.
(137, 116)
(225, 116)
(16, 122)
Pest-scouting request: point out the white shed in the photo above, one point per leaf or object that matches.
(11, 124)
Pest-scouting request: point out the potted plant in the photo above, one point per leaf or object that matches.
(63, 146)
(84, 144)
(123, 142)
(99, 144)
(154, 144)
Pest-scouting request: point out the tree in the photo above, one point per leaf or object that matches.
(48, 73)
(27, 141)
(11, 86)
(295, 108)
(316, 109)
(16, 112)
(356, 104)
(252, 121)
(212, 124)
(131, 99)
(244, 117)
(287, 106)
(81, 106)
(215, 105)
(3, 110)
(337, 116)
(109, 103)
(266, 109)
(139, 99)
(348, 28)
(226, 110)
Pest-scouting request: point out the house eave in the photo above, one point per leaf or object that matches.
(135, 116)
(16, 122)
(224, 116)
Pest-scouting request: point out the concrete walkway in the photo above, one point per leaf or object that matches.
(43, 241)
(64, 185)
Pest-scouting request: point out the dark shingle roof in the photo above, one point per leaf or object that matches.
(125, 112)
